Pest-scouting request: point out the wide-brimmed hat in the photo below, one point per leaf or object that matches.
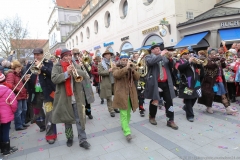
(75, 51)
(107, 52)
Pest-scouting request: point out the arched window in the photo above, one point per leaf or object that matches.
(76, 40)
(125, 8)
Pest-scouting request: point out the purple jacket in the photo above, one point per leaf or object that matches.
(6, 111)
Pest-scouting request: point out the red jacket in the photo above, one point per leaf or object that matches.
(13, 78)
(94, 72)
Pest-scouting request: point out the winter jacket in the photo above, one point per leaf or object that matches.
(124, 89)
(7, 111)
(13, 78)
(45, 81)
(62, 106)
(94, 72)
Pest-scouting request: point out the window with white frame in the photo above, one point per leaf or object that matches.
(76, 40)
(189, 15)
(125, 8)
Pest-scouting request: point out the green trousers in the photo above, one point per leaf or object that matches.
(125, 117)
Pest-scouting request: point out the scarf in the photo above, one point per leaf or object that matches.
(105, 63)
(68, 80)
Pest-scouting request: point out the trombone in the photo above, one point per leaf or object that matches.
(34, 70)
(75, 74)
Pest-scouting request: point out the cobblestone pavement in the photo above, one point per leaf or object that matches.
(210, 136)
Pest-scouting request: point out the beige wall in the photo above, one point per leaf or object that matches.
(197, 7)
(140, 17)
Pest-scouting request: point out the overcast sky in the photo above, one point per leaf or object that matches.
(34, 14)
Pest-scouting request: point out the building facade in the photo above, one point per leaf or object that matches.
(63, 18)
(220, 23)
(127, 25)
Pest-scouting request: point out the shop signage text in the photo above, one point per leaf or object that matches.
(230, 24)
(108, 44)
(125, 38)
(156, 28)
(97, 47)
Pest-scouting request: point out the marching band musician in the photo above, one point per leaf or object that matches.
(190, 86)
(41, 89)
(159, 84)
(89, 97)
(70, 107)
(125, 75)
(140, 89)
(214, 85)
(107, 80)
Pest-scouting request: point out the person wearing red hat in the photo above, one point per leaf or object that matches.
(41, 90)
(70, 105)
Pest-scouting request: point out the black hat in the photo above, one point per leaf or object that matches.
(154, 45)
(37, 51)
(65, 52)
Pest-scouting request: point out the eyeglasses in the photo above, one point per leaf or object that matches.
(124, 59)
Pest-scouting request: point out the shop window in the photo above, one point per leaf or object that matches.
(88, 32)
(147, 2)
(189, 15)
(107, 19)
(95, 26)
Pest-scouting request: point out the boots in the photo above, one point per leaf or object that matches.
(230, 111)
(233, 99)
(6, 149)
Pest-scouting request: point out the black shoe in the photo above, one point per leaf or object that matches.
(26, 125)
(90, 116)
(85, 145)
(233, 100)
(184, 107)
(116, 110)
(52, 141)
(42, 129)
(20, 129)
(142, 113)
(102, 101)
(112, 114)
(190, 119)
(69, 142)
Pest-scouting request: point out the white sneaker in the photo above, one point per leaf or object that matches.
(209, 110)
(230, 111)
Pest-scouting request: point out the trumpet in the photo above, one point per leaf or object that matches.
(75, 74)
(198, 61)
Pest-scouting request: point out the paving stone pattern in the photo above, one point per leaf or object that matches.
(210, 136)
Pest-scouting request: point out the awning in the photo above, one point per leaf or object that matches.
(232, 34)
(143, 47)
(191, 40)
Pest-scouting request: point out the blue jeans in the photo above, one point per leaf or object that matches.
(20, 114)
(4, 132)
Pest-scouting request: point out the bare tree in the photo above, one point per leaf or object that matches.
(12, 29)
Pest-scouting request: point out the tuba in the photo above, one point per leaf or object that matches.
(142, 67)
